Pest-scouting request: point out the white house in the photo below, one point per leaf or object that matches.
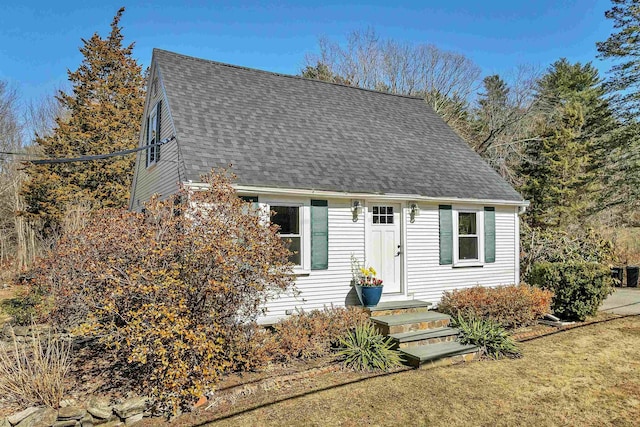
(347, 171)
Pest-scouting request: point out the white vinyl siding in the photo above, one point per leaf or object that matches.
(427, 279)
(161, 177)
(324, 288)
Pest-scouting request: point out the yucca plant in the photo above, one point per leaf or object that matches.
(494, 341)
(364, 349)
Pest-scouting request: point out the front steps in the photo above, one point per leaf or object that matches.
(423, 337)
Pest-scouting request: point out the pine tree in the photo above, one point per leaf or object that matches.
(554, 170)
(563, 168)
(623, 46)
(105, 110)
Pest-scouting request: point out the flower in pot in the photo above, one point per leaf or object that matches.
(368, 286)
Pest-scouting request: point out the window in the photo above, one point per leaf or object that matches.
(288, 219)
(153, 135)
(383, 214)
(467, 236)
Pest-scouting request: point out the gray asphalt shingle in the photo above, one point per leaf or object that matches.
(289, 132)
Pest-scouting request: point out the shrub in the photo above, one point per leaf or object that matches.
(171, 291)
(579, 287)
(365, 349)
(576, 244)
(34, 373)
(509, 306)
(315, 333)
(492, 339)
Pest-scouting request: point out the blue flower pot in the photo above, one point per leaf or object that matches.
(369, 295)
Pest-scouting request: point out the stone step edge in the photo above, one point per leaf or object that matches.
(444, 331)
(449, 352)
(405, 319)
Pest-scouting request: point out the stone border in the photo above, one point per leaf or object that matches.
(95, 412)
(230, 395)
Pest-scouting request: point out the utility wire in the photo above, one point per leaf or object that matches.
(88, 158)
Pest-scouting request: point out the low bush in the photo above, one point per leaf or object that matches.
(579, 287)
(492, 339)
(365, 349)
(510, 306)
(577, 244)
(34, 373)
(307, 335)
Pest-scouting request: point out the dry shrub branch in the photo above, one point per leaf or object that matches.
(172, 291)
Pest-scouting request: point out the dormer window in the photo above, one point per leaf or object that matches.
(153, 135)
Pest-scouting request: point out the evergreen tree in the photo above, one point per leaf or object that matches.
(554, 169)
(105, 110)
(623, 45)
(563, 168)
(623, 170)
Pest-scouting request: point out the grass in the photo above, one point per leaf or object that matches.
(588, 376)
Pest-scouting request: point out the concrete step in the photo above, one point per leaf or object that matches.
(430, 336)
(399, 323)
(399, 307)
(444, 353)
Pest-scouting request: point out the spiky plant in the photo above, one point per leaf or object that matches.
(494, 341)
(365, 349)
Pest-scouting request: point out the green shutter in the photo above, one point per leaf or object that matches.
(446, 235)
(319, 235)
(158, 120)
(489, 234)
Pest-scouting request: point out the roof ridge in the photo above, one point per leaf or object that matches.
(273, 73)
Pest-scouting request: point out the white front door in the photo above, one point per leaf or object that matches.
(385, 250)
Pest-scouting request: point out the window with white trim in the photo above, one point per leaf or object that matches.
(468, 236)
(152, 137)
(288, 219)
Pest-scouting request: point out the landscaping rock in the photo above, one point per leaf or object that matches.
(4, 423)
(86, 421)
(133, 419)
(16, 418)
(67, 402)
(65, 423)
(71, 413)
(43, 417)
(112, 424)
(131, 407)
(100, 408)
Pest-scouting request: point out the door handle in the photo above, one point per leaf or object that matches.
(399, 251)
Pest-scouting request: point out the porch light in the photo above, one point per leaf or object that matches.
(356, 209)
(414, 211)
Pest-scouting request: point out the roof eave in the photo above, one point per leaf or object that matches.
(349, 195)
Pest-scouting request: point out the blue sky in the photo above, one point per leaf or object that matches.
(39, 40)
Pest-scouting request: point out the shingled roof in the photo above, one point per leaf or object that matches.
(289, 132)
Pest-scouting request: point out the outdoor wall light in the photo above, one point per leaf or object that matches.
(414, 211)
(356, 209)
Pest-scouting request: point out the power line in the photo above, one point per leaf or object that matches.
(88, 158)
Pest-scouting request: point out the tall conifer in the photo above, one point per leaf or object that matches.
(105, 109)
